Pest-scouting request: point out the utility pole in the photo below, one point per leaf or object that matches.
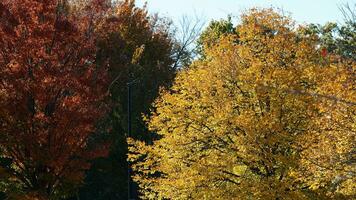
(128, 135)
(129, 116)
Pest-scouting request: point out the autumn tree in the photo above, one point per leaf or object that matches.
(263, 116)
(139, 50)
(52, 95)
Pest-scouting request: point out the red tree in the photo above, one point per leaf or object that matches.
(51, 96)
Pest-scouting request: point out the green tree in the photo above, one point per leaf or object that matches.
(338, 39)
(212, 34)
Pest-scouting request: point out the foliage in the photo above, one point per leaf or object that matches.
(337, 38)
(211, 35)
(263, 116)
(52, 95)
(138, 48)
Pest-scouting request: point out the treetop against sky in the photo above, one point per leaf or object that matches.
(303, 11)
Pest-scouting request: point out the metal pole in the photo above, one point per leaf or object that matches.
(128, 135)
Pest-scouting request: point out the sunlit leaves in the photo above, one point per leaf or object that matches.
(263, 116)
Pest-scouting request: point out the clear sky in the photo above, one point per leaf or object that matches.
(309, 11)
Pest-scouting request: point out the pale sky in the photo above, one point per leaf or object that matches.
(303, 11)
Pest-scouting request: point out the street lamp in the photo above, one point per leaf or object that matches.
(129, 115)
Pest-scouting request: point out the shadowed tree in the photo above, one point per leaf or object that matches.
(139, 49)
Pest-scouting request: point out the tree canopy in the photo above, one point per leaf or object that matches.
(52, 95)
(264, 116)
(99, 99)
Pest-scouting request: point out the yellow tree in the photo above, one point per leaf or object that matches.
(263, 116)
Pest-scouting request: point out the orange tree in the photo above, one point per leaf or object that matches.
(263, 116)
(52, 95)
